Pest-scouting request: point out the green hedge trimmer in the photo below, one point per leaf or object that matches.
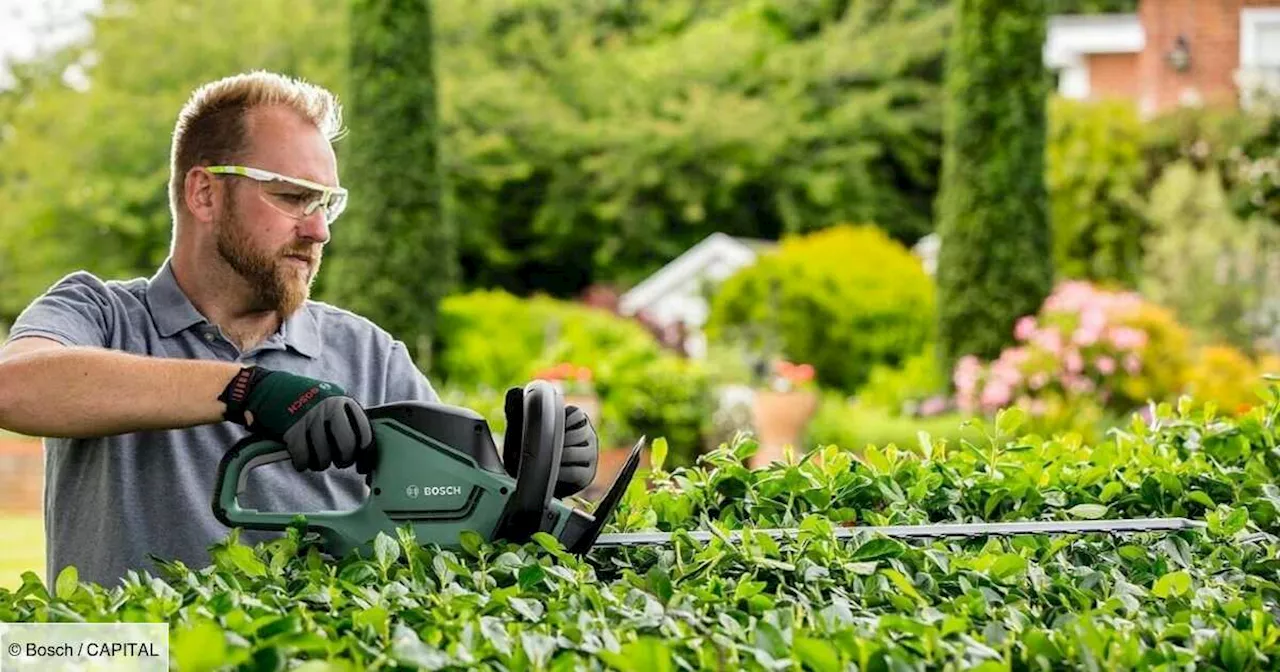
(438, 469)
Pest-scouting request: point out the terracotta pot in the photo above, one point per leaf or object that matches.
(780, 419)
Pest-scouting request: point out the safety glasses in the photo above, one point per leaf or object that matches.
(292, 196)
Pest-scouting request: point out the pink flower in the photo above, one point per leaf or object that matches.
(1132, 364)
(1074, 362)
(1049, 339)
(1106, 365)
(968, 369)
(933, 406)
(1128, 338)
(1025, 327)
(1093, 319)
(1084, 337)
(1039, 379)
(996, 394)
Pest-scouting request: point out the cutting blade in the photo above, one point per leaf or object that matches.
(924, 531)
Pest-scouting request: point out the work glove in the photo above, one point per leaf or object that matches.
(578, 457)
(580, 454)
(316, 420)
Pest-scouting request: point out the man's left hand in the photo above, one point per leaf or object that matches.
(580, 454)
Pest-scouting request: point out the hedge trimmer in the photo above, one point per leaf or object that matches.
(438, 469)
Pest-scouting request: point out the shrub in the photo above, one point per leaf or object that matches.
(842, 299)
(492, 340)
(1214, 270)
(1085, 352)
(1094, 175)
(911, 389)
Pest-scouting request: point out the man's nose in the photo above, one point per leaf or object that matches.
(314, 227)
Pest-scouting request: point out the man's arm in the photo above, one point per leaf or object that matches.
(51, 390)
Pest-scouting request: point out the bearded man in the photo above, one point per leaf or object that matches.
(139, 386)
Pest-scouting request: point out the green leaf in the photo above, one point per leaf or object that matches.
(376, 618)
(198, 645)
(471, 542)
(408, 648)
(874, 458)
(658, 453)
(818, 655)
(659, 583)
(1087, 511)
(531, 576)
(879, 548)
(1173, 584)
(386, 551)
(1008, 565)
(244, 559)
(644, 654)
(67, 583)
(1009, 419)
(1111, 490)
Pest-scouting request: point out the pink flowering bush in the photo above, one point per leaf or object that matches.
(1088, 351)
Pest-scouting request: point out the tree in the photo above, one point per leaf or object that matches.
(396, 258)
(995, 262)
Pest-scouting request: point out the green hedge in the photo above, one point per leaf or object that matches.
(1202, 599)
(844, 299)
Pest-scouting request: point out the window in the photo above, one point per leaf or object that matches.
(1259, 72)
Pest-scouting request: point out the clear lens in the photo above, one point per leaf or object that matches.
(299, 202)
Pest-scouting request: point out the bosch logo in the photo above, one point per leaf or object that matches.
(414, 491)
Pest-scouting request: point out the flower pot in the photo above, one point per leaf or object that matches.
(780, 419)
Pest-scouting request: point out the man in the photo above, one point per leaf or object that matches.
(140, 386)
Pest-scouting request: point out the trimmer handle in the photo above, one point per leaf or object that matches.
(248, 454)
(539, 431)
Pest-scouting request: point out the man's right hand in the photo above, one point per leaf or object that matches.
(316, 420)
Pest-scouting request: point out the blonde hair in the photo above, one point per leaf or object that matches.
(211, 126)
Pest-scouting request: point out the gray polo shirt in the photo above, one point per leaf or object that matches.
(112, 502)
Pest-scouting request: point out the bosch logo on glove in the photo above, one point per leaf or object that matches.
(414, 491)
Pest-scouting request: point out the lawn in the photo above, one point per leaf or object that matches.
(21, 547)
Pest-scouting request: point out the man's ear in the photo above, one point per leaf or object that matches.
(200, 194)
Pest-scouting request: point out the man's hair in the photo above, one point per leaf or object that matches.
(211, 127)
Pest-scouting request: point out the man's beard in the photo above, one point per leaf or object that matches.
(276, 282)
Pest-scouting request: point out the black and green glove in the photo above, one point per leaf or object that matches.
(578, 456)
(316, 420)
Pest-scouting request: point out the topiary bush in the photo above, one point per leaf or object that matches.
(843, 299)
(995, 260)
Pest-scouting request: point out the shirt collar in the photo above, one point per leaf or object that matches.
(173, 312)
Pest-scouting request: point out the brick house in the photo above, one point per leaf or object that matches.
(1169, 53)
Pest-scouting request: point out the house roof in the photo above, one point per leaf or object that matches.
(689, 265)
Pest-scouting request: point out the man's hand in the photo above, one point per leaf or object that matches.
(316, 420)
(580, 454)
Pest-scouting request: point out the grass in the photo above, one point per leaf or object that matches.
(21, 547)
